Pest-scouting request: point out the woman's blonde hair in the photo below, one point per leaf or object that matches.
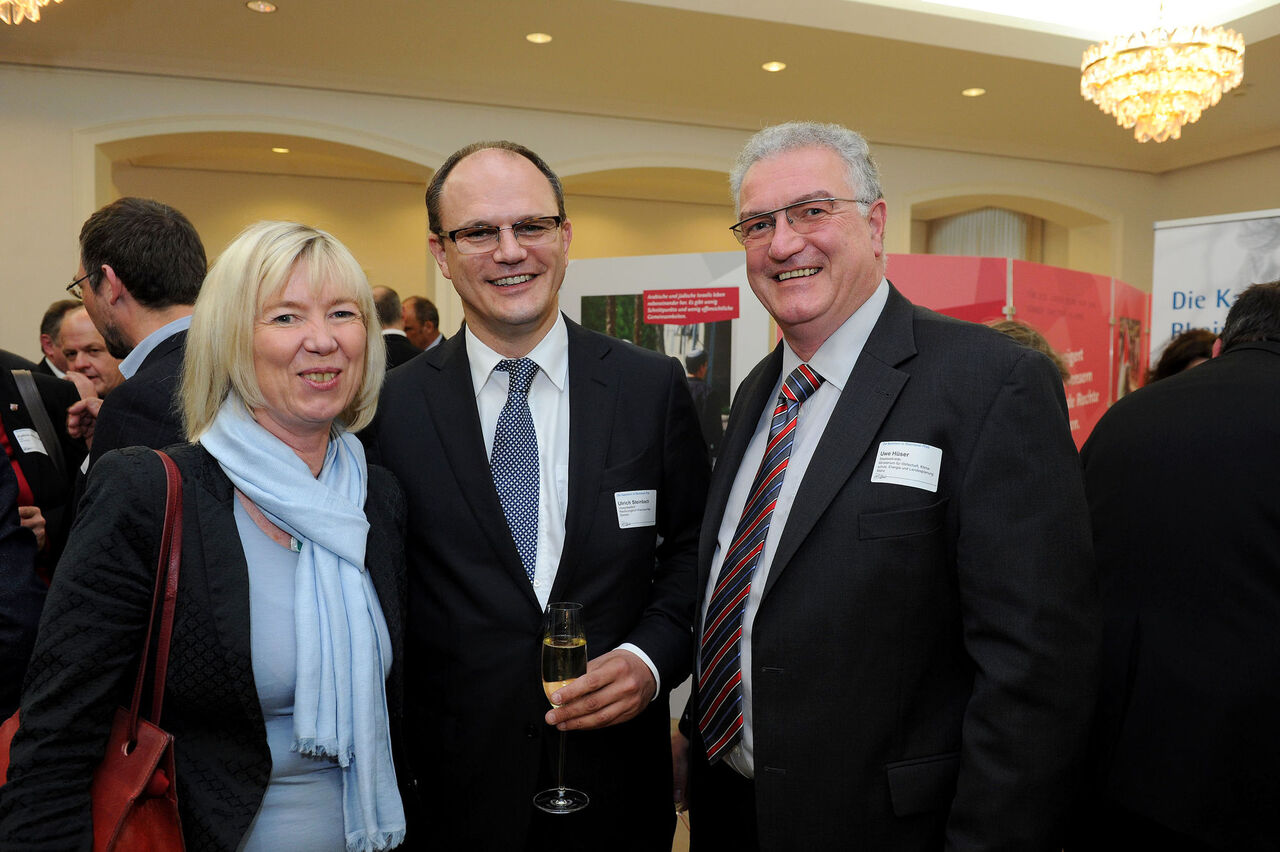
(254, 268)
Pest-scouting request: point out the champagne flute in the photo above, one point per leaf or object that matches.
(564, 660)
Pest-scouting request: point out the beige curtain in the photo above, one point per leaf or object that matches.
(989, 232)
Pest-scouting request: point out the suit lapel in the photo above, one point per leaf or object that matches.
(450, 402)
(871, 390)
(226, 574)
(593, 390)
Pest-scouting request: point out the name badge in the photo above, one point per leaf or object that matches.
(29, 441)
(636, 508)
(907, 463)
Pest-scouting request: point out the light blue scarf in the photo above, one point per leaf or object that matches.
(344, 650)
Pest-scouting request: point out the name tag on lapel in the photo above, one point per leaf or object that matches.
(636, 508)
(29, 441)
(907, 463)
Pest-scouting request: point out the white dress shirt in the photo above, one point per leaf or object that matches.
(549, 407)
(833, 361)
(59, 374)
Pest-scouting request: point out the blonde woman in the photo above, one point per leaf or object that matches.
(283, 685)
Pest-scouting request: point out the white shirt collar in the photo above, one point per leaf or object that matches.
(835, 358)
(399, 331)
(134, 359)
(551, 355)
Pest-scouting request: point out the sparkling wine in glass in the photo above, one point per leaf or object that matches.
(564, 660)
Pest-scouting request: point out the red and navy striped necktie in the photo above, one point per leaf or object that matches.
(719, 655)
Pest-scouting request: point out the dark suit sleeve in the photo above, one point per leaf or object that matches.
(21, 594)
(384, 556)
(136, 415)
(57, 502)
(664, 631)
(1031, 618)
(85, 656)
(144, 411)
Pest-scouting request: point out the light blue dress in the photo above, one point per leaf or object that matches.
(302, 808)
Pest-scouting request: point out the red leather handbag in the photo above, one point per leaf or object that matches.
(135, 802)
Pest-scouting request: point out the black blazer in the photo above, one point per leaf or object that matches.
(399, 349)
(144, 411)
(87, 652)
(474, 693)
(923, 663)
(13, 361)
(52, 492)
(1181, 478)
(21, 594)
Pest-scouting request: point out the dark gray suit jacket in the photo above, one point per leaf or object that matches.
(86, 653)
(480, 748)
(21, 594)
(1182, 479)
(53, 492)
(144, 411)
(924, 663)
(399, 349)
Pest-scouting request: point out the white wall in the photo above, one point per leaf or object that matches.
(383, 223)
(54, 119)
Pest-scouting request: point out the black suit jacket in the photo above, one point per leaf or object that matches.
(923, 663)
(474, 693)
(13, 361)
(144, 411)
(86, 653)
(399, 349)
(43, 367)
(52, 491)
(1182, 478)
(21, 594)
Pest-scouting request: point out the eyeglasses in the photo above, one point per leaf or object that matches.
(76, 288)
(804, 217)
(481, 239)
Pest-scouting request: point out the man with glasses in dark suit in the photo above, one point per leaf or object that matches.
(141, 267)
(898, 624)
(542, 462)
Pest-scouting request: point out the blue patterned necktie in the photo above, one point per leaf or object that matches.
(514, 462)
(719, 654)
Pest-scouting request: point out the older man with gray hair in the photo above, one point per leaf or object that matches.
(898, 624)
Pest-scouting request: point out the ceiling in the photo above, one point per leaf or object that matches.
(892, 69)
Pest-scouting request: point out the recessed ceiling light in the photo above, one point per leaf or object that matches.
(774, 66)
(278, 150)
(261, 6)
(975, 92)
(538, 38)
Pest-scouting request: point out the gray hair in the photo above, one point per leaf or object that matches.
(860, 168)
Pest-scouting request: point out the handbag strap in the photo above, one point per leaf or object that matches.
(164, 598)
(40, 419)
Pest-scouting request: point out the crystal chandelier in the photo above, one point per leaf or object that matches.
(1157, 81)
(13, 11)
